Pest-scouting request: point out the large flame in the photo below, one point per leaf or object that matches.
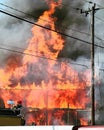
(41, 80)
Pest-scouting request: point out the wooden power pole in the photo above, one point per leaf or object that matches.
(93, 70)
(93, 10)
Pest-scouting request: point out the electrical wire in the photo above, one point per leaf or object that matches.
(29, 54)
(23, 53)
(22, 19)
(17, 17)
(99, 19)
(63, 27)
(30, 14)
(90, 2)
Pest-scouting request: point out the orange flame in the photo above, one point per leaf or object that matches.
(41, 81)
(83, 121)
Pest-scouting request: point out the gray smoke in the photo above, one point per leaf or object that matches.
(15, 33)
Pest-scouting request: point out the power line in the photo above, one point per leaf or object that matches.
(17, 17)
(46, 20)
(22, 19)
(101, 7)
(23, 53)
(30, 14)
(81, 32)
(99, 19)
(55, 24)
(38, 52)
(63, 27)
(43, 57)
(99, 38)
(7, 49)
(90, 2)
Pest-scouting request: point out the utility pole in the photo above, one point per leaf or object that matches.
(92, 68)
(93, 10)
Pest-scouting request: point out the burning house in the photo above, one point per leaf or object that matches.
(52, 92)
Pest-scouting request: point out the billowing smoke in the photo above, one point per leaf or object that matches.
(15, 33)
(70, 21)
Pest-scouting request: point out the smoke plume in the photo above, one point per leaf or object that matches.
(14, 34)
